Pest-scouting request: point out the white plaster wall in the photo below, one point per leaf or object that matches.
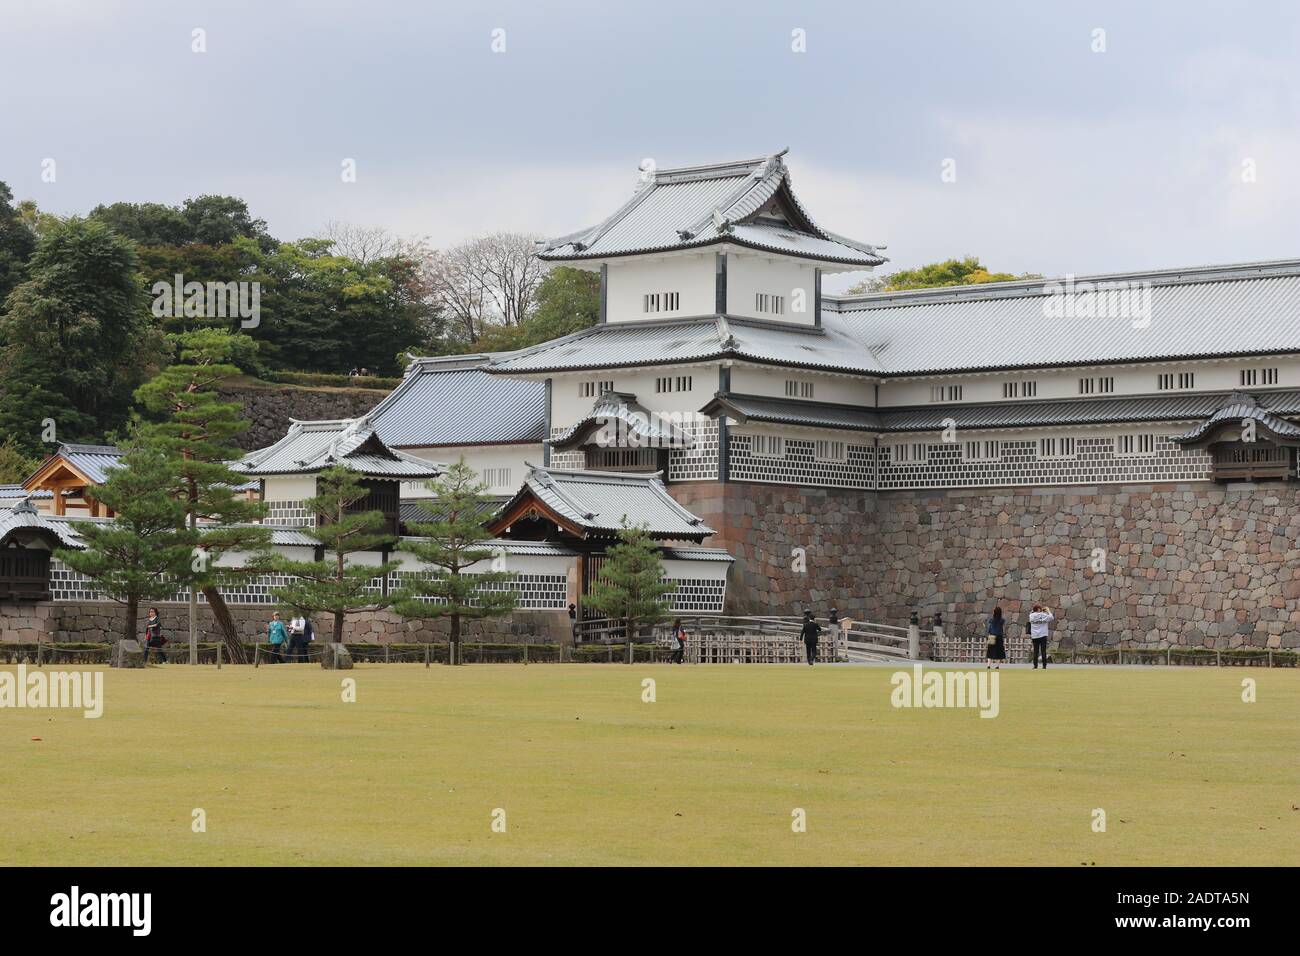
(1211, 376)
(480, 458)
(691, 275)
(289, 487)
(567, 406)
(756, 380)
(748, 273)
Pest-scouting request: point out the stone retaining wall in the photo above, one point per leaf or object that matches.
(1183, 565)
(95, 622)
(267, 409)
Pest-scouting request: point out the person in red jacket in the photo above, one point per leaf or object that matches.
(153, 636)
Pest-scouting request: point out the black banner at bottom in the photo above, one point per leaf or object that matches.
(335, 905)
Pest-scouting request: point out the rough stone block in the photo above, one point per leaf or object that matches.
(335, 657)
(127, 653)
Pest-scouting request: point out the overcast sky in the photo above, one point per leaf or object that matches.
(1066, 159)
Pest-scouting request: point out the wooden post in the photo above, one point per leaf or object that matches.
(1169, 656)
(426, 655)
(220, 648)
(525, 653)
(257, 655)
(1270, 658)
(387, 647)
(1218, 658)
(39, 648)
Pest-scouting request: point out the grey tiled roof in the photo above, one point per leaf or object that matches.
(598, 501)
(426, 511)
(695, 206)
(453, 401)
(624, 344)
(18, 491)
(1031, 414)
(761, 408)
(1211, 311)
(310, 447)
(685, 553)
(622, 407)
(1238, 407)
(1098, 411)
(24, 516)
(93, 461)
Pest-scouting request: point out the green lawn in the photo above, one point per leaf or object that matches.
(709, 774)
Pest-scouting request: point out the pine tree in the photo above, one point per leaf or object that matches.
(141, 553)
(196, 430)
(333, 585)
(452, 545)
(15, 467)
(630, 586)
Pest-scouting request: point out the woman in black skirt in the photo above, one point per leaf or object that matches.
(997, 648)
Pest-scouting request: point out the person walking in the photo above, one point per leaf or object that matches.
(275, 633)
(678, 642)
(997, 648)
(153, 636)
(1039, 618)
(810, 631)
(298, 625)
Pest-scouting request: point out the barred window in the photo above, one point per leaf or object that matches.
(662, 301)
(945, 393)
(825, 450)
(767, 446)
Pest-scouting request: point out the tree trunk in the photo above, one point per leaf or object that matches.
(132, 618)
(229, 636)
(338, 627)
(454, 641)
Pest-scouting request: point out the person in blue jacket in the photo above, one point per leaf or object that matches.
(277, 635)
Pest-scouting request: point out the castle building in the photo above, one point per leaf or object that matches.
(719, 361)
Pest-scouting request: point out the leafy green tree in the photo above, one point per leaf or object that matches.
(15, 467)
(79, 328)
(17, 242)
(964, 271)
(146, 224)
(452, 546)
(141, 553)
(216, 220)
(196, 430)
(328, 313)
(333, 585)
(567, 301)
(630, 586)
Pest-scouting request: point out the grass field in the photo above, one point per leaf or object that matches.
(708, 774)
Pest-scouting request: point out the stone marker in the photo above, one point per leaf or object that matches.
(335, 657)
(127, 653)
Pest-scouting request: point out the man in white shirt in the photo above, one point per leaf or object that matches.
(1039, 618)
(297, 637)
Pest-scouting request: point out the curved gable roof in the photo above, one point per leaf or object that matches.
(748, 202)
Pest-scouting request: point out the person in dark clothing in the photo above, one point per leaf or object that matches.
(997, 648)
(153, 636)
(810, 631)
(300, 635)
(678, 642)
